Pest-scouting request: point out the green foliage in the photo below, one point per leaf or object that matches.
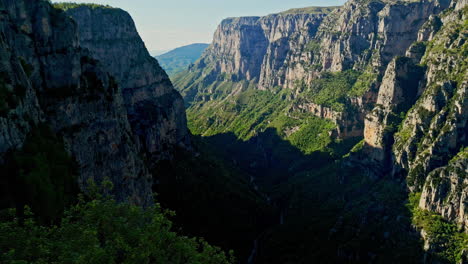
(446, 48)
(419, 47)
(394, 122)
(449, 243)
(253, 111)
(359, 146)
(102, 231)
(332, 213)
(313, 135)
(437, 49)
(72, 5)
(206, 84)
(416, 176)
(41, 175)
(363, 83)
(463, 154)
(332, 89)
(313, 46)
(245, 114)
(404, 134)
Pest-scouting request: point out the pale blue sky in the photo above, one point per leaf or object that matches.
(167, 24)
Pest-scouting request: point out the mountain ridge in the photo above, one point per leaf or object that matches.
(179, 59)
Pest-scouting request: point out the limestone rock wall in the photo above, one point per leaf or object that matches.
(156, 111)
(445, 192)
(110, 106)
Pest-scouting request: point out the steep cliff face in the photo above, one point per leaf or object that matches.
(48, 77)
(430, 145)
(429, 109)
(240, 44)
(445, 191)
(435, 127)
(382, 29)
(250, 49)
(299, 46)
(397, 93)
(156, 111)
(286, 34)
(294, 50)
(67, 89)
(364, 36)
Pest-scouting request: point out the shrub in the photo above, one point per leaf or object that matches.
(449, 243)
(102, 231)
(332, 88)
(313, 135)
(66, 6)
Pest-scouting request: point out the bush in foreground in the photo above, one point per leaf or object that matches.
(102, 231)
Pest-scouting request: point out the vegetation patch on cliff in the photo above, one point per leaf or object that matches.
(463, 154)
(72, 5)
(448, 243)
(254, 111)
(331, 89)
(42, 175)
(364, 83)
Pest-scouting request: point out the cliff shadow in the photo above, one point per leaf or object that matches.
(300, 207)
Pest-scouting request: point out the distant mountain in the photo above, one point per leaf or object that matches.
(179, 59)
(155, 53)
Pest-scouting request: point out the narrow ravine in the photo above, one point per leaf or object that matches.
(253, 254)
(256, 242)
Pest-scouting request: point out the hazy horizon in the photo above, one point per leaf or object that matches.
(166, 25)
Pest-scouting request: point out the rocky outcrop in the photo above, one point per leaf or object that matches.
(239, 44)
(69, 91)
(445, 191)
(48, 77)
(292, 50)
(287, 34)
(347, 126)
(430, 86)
(251, 49)
(362, 33)
(435, 127)
(156, 111)
(398, 92)
(432, 132)
(298, 47)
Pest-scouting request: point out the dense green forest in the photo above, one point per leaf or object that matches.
(100, 230)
